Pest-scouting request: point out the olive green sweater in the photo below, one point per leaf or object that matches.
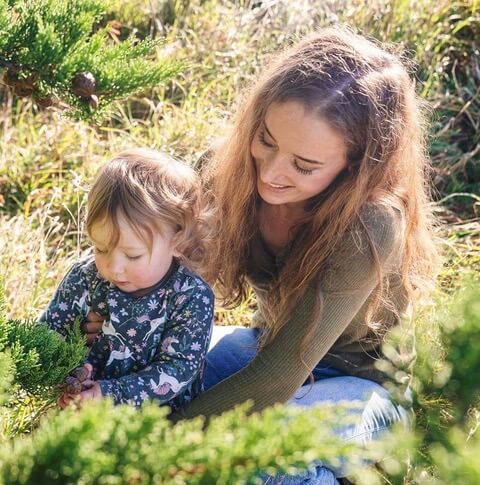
(342, 338)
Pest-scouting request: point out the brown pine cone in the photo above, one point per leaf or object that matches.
(44, 102)
(84, 84)
(73, 385)
(22, 90)
(10, 78)
(80, 373)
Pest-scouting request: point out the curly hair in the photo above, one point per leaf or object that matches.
(152, 191)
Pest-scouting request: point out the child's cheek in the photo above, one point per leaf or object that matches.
(101, 267)
(141, 276)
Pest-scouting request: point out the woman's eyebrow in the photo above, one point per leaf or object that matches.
(296, 156)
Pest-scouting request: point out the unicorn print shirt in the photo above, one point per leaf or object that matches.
(151, 346)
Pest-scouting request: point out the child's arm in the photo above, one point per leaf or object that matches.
(69, 301)
(180, 356)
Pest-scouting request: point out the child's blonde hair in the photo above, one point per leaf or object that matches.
(152, 191)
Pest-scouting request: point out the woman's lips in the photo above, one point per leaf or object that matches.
(276, 187)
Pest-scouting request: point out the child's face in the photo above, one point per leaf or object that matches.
(131, 266)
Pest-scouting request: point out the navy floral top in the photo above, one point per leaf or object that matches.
(151, 346)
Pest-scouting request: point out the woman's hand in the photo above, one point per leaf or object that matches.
(92, 326)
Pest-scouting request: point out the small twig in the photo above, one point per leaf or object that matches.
(463, 160)
(458, 194)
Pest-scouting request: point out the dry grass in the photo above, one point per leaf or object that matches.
(47, 161)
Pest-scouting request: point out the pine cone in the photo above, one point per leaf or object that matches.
(10, 78)
(81, 373)
(73, 385)
(84, 84)
(44, 102)
(22, 90)
(22, 86)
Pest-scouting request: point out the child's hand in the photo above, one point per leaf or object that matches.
(90, 390)
(75, 383)
(66, 399)
(83, 373)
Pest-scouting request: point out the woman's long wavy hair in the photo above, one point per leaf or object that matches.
(365, 92)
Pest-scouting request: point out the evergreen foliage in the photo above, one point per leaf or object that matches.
(39, 357)
(42, 358)
(116, 445)
(6, 373)
(442, 446)
(224, 43)
(47, 44)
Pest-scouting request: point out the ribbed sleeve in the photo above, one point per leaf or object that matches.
(277, 371)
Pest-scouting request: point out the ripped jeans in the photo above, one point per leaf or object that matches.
(232, 348)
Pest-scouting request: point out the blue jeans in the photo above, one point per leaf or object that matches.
(232, 348)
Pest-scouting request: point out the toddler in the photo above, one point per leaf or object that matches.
(146, 222)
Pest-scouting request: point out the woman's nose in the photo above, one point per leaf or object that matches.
(274, 169)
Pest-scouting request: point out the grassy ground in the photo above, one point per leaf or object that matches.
(47, 160)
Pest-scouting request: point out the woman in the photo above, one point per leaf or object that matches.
(323, 211)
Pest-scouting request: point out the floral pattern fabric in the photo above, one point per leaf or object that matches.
(150, 347)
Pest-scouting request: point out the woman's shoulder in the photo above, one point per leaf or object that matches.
(374, 238)
(377, 229)
(382, 224)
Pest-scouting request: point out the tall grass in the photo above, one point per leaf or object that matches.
(47, 161)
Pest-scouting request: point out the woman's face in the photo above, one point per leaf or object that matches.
(297, 155)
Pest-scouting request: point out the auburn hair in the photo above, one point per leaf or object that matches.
(364, 91)
(153, 193)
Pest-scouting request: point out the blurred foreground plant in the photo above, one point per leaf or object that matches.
(117, 445)
(442, 446)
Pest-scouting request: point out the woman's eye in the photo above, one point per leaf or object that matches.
(99, 251)
(263, 141)
(303, 171)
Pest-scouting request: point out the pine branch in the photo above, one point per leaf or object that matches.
(40, 357)
(47, 45)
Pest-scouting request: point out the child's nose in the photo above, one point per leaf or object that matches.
(115, 265)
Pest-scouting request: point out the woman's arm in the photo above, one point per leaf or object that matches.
(277, 371)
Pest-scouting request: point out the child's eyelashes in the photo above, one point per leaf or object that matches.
(130, 257)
